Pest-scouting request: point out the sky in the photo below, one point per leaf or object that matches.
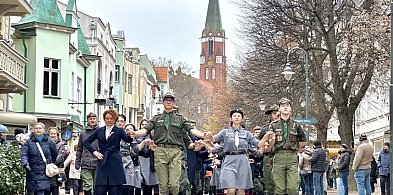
(164, 28)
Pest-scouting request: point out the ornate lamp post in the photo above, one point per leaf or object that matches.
(288, 75)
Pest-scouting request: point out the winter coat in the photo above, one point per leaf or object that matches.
(384, 162)
(363, 156)
(374, 169)
(332, 170)
(343, 163)
(110, 169)
(318, 159)
(31, 158)
(85, 159)
(71, 159)
(60, 148)
(304, 162)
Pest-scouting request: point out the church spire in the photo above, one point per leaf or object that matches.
(213, 19)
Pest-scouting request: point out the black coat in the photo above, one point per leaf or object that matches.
(31, 157)
(318, 160)
(344, 161)
(110, 168)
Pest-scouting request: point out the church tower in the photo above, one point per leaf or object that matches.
(212, 58)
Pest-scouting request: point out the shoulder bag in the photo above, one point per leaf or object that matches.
(50, 169)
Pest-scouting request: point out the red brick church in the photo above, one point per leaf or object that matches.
(212, 71)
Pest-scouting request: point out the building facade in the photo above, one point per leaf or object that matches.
(13, 66)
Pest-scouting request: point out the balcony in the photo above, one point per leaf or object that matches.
(14, 8)
(12, 70)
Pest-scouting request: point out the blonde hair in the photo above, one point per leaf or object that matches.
(39, 123)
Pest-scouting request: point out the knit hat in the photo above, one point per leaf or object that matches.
(3, 129)
(387, 144)
(344, 146)
(362, 137)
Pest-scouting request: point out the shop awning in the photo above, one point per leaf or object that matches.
(17, 119)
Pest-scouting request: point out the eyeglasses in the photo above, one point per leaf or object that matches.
(168, 100)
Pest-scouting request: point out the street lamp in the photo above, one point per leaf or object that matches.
(288, 75)
(391, 91)
(247, 122)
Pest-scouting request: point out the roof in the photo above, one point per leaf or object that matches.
(44, 11)
(213, 18)
(162, 74)
(207, 87)
(82, 44)
(144, 62)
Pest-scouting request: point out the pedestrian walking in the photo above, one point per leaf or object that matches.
(306, 172)
(54, 135)
(332, 174)
(288, 139)
(36, 180)
(148, 172)
(384, 168)
(362, 165)
(110, 171)
(273, 114)
(343, 166)
(75, 174)
(373, 174)
(170, 137)
(317, 161)
(129, 154)
(86, 160)
(236, 174)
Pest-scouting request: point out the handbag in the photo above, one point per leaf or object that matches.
(50, 169)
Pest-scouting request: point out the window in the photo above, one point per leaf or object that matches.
(129, 84)
(207, 73)
(213, 73)
(117, 74)
(79, 92)
(218, 59)
(117, 107)
(51, 77)
(72, 86)
(210, 47)
(162, 88)
(125, 81)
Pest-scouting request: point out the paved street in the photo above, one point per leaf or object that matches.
(330, 192)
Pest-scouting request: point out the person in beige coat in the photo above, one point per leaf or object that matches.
(75, 174)
(305, 170)
(362, 165)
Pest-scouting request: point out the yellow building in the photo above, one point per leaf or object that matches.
(131, 85)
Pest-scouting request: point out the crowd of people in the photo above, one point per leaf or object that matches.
(168, 155)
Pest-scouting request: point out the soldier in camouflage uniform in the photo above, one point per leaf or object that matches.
(288, 138)
(170, 137)
(273, 114)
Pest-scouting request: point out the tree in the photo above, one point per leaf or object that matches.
(347, 45)
(191, 97)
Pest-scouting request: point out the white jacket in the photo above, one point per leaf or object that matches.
(74, 173)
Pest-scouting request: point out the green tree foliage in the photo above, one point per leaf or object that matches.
(12, 174)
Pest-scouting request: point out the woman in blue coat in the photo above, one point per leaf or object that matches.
(110, 172)
(37, 182)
